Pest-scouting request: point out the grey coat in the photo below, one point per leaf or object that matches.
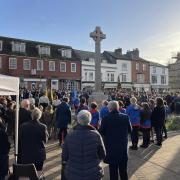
(83, 151)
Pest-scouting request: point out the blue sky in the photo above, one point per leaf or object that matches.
(150, 25)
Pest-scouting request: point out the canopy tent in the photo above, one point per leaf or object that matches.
(10, 86)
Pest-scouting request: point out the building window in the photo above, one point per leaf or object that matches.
(1, 45)
(112, 77)
(154, 69)
(91, 59)
(154, 79)
(26, 64)
(140, 78)
(137, 66)
(91, 76)
(123, 77)
(18, 47)
(163, 79)
(62, 67)
(124, 67)
(85, 76)
(12, 63)
(70, 85)
(73, 67)
(40, 65)
(0, 62)
(44, 50)
(144, 67)
(66, 53)
(163, 70)
(52, 66)
(108, 77)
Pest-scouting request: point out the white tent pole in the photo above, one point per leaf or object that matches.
(16, 128)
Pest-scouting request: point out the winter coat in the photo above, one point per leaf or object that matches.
(114, 129)
(63, 115)
(95, 118)
(83, 151)
(4, 151)
(133, 112)
(33, 136)
(145, 121)
(122, 110)
(24, 116)
(82, 107)
(11, 121)
(104, 111)
(158, 117)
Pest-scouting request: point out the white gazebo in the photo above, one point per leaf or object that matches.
(10, 86)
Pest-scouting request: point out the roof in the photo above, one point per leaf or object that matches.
(32, 50)
(86, 55)
(156, 64)
(112, 55)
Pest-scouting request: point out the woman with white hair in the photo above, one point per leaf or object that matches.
(33, 136)
(83, 151)
(133, 112)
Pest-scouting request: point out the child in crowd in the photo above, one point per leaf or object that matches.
(95, 121)
(145, 124)
(48, 119)
(121, 107)
(133, 112)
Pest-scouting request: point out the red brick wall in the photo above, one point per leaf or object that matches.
(135, 72)
(19, 72)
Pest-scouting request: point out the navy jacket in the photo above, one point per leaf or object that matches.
(158, 117)
(114, 129)
(63, 115)
(33, 136)
(4, 151)
(24, 116)
(83, 151)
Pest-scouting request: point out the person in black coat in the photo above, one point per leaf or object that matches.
(83, 151)
(24, 116)
(10, 113)
(63, 118)
(33, 135)
(24, 113)
(158, 119)
(4, 151)
(114, 129)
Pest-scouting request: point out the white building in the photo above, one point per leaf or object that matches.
(115, 69)
(159, 77)
(124, 67)
(108, 71)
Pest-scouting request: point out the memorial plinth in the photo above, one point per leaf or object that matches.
(98, 96)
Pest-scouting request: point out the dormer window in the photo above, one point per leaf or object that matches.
(66, 53)
(104, 61)
(44, 50)
(91, 59)
(1, 45)
(18, 47)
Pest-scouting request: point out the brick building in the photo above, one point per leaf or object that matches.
(40, 64)
(140, 71)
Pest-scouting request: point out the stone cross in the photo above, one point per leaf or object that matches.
(97, 35)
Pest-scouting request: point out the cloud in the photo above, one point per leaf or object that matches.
(160, 47)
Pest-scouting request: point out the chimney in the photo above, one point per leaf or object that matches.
(136, 53)
(118, 52)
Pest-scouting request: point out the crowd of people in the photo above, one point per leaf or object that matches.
(88, 134)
